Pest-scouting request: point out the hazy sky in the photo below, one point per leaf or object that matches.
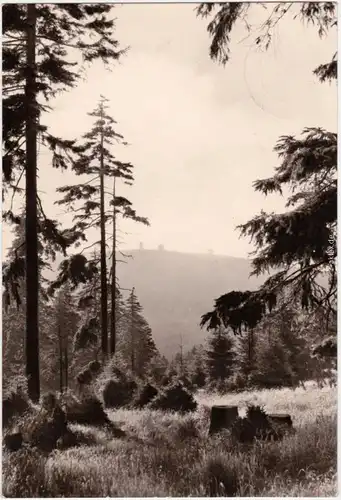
(199, 134)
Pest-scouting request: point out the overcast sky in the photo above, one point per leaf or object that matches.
(199, 134)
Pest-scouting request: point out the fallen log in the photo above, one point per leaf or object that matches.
(222, 417)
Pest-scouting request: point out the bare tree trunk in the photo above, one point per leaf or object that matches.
(250, 349)
(113, 278)
(66, 362)
(31, 220)
(104, 289)
(60, 342)
(132, 336)
(181, 357)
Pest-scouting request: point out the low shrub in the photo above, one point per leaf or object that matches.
(94, 367)
(88, 410)
(257, 425)
(85, 377)
(169, 378)
(174, 397)
(186, 382)
(43, 427)
(14, 405)
(146, 394)
(118, 392)
(199, 378)
(117, 373)
(14, 441)
(48, 401)
(237, 383)
(218, 386)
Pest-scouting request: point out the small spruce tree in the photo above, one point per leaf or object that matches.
(220, 356)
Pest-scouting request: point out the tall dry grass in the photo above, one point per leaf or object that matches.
(166, 454)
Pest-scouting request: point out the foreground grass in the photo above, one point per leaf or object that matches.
(170, 455)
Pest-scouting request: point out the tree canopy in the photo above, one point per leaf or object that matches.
(298, 247)
(223, 17)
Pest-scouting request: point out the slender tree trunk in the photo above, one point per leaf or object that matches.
(132, 336)
(104, 289)
(250, 349)
(113, 278)
(181, 357)
(31, 234)
(60, 342)
(94, 310)
(66, 362)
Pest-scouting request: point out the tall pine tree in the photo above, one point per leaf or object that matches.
(98, 161)
(44, 48)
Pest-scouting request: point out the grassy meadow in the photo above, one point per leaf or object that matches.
(167, 454)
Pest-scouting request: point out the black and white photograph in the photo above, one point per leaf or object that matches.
(169, 249)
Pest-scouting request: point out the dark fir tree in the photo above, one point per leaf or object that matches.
(296, 247)
(245, 346)
(220, 356)
(139, 344)
(223, 17)
(14, 314)
(44, 48)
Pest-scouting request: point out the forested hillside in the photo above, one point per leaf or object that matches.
(175, 288)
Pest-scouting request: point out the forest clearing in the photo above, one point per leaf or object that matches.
(167, 454)
(169, 277)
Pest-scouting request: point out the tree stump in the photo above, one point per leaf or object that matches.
(222, 417)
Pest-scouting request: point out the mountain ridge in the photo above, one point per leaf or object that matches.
(176, 288)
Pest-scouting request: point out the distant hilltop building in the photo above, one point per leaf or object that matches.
(141, 246)
(210, 252)
(161, 248)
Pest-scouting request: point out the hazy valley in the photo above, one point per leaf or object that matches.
(175, 289)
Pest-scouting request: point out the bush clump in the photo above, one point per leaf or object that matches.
(145, 396)
(186, 382)
(174, 397)
(257, 425)
(14, 405)
(88, 410)
(43, 427)
(85, 377)
(237, 383)
(118, 392)
(13, 442)
(94, 367)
